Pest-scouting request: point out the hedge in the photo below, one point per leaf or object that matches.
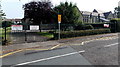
(117, 24)
(68, 34)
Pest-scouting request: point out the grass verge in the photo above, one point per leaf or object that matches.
(46, 34)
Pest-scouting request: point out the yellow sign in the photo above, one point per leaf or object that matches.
(59, 18)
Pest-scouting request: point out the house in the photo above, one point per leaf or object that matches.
(92, 17)
(98, 11)
(14, 20)
(97, 16)
(108, 15)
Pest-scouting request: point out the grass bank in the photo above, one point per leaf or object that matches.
(46, 34)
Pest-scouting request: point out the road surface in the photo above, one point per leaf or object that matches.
(101, 52)
(96, 52)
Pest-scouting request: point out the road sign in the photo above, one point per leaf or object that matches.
(106, 25)
(17, 27)
(59, 18)
(59, 21)
(34, 27)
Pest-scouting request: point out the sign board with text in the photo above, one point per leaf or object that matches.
(106, 25)
(59, 18)
(34, 27)
(17, 27)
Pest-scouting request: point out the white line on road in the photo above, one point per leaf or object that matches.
(50, 58)
(111, 45)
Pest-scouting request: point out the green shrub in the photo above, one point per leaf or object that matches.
(68, 34)
(117, 20)
(88, 27)
(84, 27)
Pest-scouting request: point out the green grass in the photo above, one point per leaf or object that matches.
(2, 32)
(46, 34)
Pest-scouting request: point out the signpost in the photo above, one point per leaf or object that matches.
(59, 21)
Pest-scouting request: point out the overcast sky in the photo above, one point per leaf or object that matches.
(13, 8)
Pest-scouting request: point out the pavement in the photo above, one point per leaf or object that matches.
(53, 43)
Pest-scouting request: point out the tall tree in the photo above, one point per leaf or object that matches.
(117, 11)
(70, 13)
(1, 13)
(39, 12)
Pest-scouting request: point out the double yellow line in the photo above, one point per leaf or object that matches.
(54, 47)
(11, 53)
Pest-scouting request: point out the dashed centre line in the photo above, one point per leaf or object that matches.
(111, 45)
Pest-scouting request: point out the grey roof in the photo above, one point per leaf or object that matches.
(98, 11)
(93, 13)
(106, 14)
(106, 20)
(85, 12)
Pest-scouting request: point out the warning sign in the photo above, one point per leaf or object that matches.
(59, 18)
(17, 27)
(106, 25)
(34, 27)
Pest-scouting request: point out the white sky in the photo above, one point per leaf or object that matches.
(13, 8)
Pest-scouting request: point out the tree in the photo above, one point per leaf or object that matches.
(39, 12)
(70, 13)
(117, 11)
(1, 12)
(7, 24)
(1, 15)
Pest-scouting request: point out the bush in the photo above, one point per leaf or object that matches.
(97, 25)
(79, 27)
(51, 32)
(68, 34)
(88, 27)
(84, 27)
(117, 20)
(70, 28)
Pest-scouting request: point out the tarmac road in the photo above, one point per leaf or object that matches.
(61, 56)
(96, 52)
(101, 52)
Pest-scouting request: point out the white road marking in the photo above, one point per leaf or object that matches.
(111, 45)
(44, 59)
